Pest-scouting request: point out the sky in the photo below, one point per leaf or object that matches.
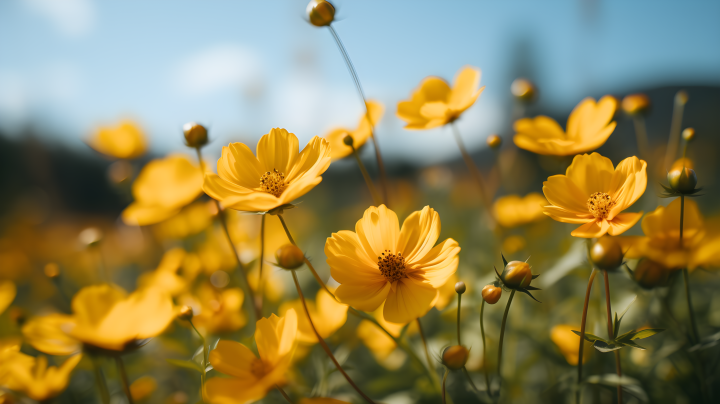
(244, 67)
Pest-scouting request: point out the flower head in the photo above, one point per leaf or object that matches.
(380, 262)
(32, 376)
(7, 294)
(250, 376)
(277, 176)
(594, 194)
(435, 103)
(336, 137)
(216, 310)
(125, 141)
(514, 210)
(588, 128)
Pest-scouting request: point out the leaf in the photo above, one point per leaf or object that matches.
(535, 276)
(496, 272)
(649, 332)
(532, 288)
(632, 344)
(186, 364)
(607, 346)
(616, 327)
(528, 293)
(590, 337)
(505, 262)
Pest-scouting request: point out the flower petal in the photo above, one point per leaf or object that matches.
(378, 230)
(562, 192)
(591, 173)
(235, 390)
(464, 90)
(277, 150)
(628, 184)
(623, 222)
(363, 296)
(348, 260)
(437, 265)
(592, 229)
(419, 233)
(233, 359)
(410, 300)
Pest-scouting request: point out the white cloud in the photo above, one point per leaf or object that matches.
(217, 68)
(73, 18)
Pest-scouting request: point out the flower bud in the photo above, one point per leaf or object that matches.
(90, 236)
(635, 104)
(650, 274)
(523, 89)
(52, 270)
(606, 253)
(491, 293)
(460, 287)
(494, 141)
(455, 357)
(688, 134)
(516, 274)
(195, 134)
(681, 97)
(348, 140)
(682, 180)
(289, 256)
(186, 313)
(682, 162)
(320, 13)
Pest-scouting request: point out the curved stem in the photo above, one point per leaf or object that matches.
(203, 375)
(443, 384)
(675, 125)
(284, 394)
(686, 278)
(366, 176)
(424, 341)
(124, 378)
(469, 379)
(458, 318)
(322, 341)
(100, 381)
(482, 332)
(358, 87)
(583, 323)
(641, 136)
(502, 335)
(260, 269)
(611, 333)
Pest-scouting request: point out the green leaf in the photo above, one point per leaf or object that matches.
(607, 346)
(186, 364)
(505, 262)
(616, 327)
(591, 337)
(632, 344)
(647, 333)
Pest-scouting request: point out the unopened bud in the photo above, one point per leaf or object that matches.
(289, 256)
(688, 134)
(650, 274)
(320, 13)
(682, 162)
(517, 274)
(196, 135)
(460, 287)
(606, 253)
(51, 270)
(682, 180)
(348, 140)
(90, 236)
(494, 141)
(523, 89)
(636, 104)
(491, 294)
(681, 97)
(186, 313)
(455, 357)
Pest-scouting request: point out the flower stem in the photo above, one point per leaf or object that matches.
(361, 94)
(203, 375)
(366, 176)
(583, 323)
(260, 269)
(675, 125)
(124, 378)
(686, 278)
(458, 318)
(611, 334)
(284, 394)
(424, 341)
(474, 171)
(641, 136)
(502, 335)
(482, 332)
(100, 381)
(323, 344)
(443, 384)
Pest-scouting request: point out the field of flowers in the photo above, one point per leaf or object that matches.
(575, 263)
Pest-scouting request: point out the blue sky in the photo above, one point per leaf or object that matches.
(243, 67)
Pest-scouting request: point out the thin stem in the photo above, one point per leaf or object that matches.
(611, 334)
(641, 136)
(424, 341)
(443, 384)
(583, 322)
(100, 381)
(502, 334)
(284, 394)
(124, 378)
(358, 87)
(469, 379)
(482, 332)
(260, 270)
(203, 375)
(366, 176)
(458, 318)
(322, 342)
(686, 278)
(675, 125)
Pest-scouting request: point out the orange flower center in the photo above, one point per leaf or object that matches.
(392, 266)
(273, 182)
(600, 204)
(257, 368)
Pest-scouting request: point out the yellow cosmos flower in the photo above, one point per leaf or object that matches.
(191, 220)
(125, 141)
(700, 248)
(216, 311)
(569, 343)
(435, 103)
(277, 176)
(588, 128)
(251, 377)
(32, 376)
(338, 149)
(104, 316)
(167, 276)
(514, 210)
(7, 294)
(163, 187)
(446, 293)
(143, 388)
(328, 316)
(593, 193)
(380, 262)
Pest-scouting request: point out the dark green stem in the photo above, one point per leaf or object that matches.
(611, 335)
(100, 381)
(583, 323)
(482, 332)
(686, 278)
(205, 361)
(502, 335)
(284, 394)
(641, 136)
(443, 384)
(458, 318)
(124, 378)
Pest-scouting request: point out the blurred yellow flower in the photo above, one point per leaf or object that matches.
(435, 104)
(7, 294)
(216, 311)
(163, 187)
(251, 377)
(380, 262)
(191, 220)
(143, 387)
(593, 193)
(125, 141)
(338, 149)
(104, 316)
(700, 248)
(277, 176)
(588, 128)
(167, 277)
(514, 210)
(328, 316)
(569, 343)
(446, 293)
(379, 343)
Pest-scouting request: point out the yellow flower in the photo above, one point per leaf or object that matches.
(143, 387)
(588, 128)
(277, 176)
(328, 316)
(593, 193)
(166, 277)
(569, 343)
(251, 377)
(446, 293)
(661, 243)
(7, 294)
(216, 311)
(105, 317)
(382, 263)
(32, 376)
(435, 104)
(338, 149)
(191, 220)
(125, 141)
(379, 343)
(514, 210)
(163, 187)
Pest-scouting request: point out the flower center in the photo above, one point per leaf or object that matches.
(392, 266)
(273, 182)
(257, 367)
(600, 204)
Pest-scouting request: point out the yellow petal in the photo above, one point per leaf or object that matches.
(240, 166)
(49, 334)
(435, 110)
(410, 300)
(144, 215)
(592, 229)
(419, 233)
(591, 173)
(562, 192)
(437, 265)
(234, 391)
(93, 303)
(338, 149)
(378, 231)
(567, 216)
(623, 222)
(628, 184)
(363, 296)
(464, 90)
(172, 182)
(277, 150)
(348, 260)
(233, 359)
(7, 294)
(125, 141)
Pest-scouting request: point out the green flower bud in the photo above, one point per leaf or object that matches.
(682, 180)
(517, 274)
(606, 253)
(289, 257)
(455, 357)
(195, 134)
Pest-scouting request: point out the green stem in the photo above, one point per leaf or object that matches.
(366, 176)
(124, 378)
(583, 323)
(675, 126)
(686, 278)
(611, 334)
(443, 384)
(641, 136)
(502, 335)
(424, 341)
(482, 332)
(100, 381)
(458, 318)
(205, 362)
(284, 394)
